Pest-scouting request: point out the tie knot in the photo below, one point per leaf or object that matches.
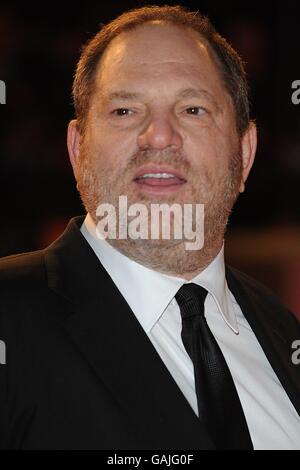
(191, 298)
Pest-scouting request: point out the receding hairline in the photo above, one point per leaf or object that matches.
(193, 33)
(229, 65)
(162, 22)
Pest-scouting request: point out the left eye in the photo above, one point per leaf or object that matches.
(195, 110)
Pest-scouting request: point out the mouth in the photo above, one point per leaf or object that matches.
(159, 179)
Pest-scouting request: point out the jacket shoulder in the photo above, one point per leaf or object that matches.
(22, 276)
(261, 296)
(22, 267)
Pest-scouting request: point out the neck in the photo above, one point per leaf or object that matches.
(173, 259)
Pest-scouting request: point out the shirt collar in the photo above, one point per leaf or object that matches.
(153, 291)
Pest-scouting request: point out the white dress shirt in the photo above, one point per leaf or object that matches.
(272, 419)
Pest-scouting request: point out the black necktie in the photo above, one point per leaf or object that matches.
(218, 402)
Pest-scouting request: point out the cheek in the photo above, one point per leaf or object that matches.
(211, 148)
(111, 151)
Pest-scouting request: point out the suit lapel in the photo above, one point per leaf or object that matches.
(273, 329)
(107, 333)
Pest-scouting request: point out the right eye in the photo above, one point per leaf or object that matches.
(122, 112)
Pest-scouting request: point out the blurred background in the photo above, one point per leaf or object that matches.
(39, 47)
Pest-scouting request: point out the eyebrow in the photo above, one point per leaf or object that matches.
(123, 95)
(198, 93)
(191, 92)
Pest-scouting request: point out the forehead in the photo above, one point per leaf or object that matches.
(157, 50)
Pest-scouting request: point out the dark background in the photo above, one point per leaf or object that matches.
(39, 48)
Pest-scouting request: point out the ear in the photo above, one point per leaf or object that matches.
(73, 143)
(248, 149)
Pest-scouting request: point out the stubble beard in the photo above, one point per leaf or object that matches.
(97, 185)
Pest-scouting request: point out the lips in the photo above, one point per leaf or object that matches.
(158, 176)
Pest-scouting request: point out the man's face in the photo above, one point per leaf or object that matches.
(160, 106)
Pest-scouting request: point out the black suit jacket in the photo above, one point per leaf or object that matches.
(81, 373)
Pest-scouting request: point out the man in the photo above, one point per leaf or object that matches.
(135, 342)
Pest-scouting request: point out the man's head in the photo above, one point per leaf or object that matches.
(159, 91)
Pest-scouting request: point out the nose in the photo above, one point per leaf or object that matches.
(159, 134)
